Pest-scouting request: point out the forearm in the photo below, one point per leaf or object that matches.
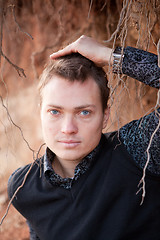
(142, 66)
(136, 63)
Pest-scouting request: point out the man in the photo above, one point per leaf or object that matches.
(85, 185)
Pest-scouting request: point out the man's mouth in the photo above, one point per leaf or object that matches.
(69, 143)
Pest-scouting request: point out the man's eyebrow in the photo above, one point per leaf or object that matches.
(54, 106)
(85, 106)
(78, 107)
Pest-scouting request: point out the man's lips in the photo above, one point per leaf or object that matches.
(69, 143)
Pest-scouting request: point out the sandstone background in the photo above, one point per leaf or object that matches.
(31, 31)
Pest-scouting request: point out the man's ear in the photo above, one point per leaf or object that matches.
(106, 117)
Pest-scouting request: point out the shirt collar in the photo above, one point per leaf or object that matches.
(80, 169)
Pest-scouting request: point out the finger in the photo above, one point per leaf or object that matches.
(67, 50)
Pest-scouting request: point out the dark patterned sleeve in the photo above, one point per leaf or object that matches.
(142, 66)
(136, 137)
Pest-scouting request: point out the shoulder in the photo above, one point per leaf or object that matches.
(111, 137)
(116, 147)
(18, 176)
(112, 141)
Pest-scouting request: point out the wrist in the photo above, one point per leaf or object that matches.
(117, 60)
(107, 57)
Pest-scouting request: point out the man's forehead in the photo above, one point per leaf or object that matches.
(61, 82)
(62, 93)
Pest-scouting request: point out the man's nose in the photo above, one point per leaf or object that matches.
(69, 125)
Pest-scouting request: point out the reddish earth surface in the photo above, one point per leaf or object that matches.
(14, 226)
(52, 28)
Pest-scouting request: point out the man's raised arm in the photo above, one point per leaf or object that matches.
(136, 63)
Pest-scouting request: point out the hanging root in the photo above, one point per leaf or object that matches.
(26, 175)
(123, 16)
(142, 181)
(158, 51)
(19, 70)
(14, 16)
(17, 190)
(11, 120)
(24, 180)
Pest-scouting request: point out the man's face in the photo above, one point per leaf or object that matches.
(72, 117)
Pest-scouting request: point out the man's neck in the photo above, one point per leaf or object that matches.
(64, 168)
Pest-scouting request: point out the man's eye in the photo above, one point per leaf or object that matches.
(85, 113)
(54, 112)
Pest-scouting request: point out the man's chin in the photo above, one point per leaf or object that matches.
(66, 156)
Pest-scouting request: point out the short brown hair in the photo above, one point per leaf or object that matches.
(75, 67)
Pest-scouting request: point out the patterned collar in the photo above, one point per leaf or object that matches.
(80, 169)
